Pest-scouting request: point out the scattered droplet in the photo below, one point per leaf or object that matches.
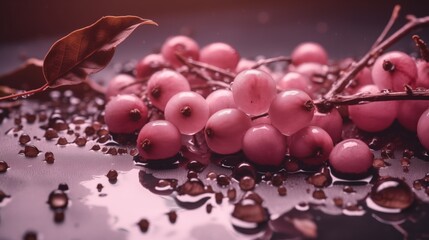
(222, 180)
(390, 195)
(24, 138)
(319, 194)
(247, 183)
(172, 216)
(209, 208)
(143, 225)
(96, 147)
(99, 187)
(3, 166)
(112, 175)
(30, 235)
(282, 191)
(80, 141)
(63, 187)
(3, 195)
(50, 134)
(49, 158)
(62, 141)
(31, 151)
(58, 199)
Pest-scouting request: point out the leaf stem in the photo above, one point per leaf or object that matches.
(26, 93)
(193, 63)
(272, 60)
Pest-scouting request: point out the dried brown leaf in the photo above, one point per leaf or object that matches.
(87, 50)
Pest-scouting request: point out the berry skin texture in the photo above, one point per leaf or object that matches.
(122, 84)
(352, 157)
(253, 90)
(264, 145)
(220, 99)
(165, 84)
(393, 70)
(188, 111)
(290, 111)
(149, 65)
(158, 139)
(220, 55)
(182, 45)
(423, 129)
(331, 122)
(125, 114)
(375, 116)
(225, 130)
(311, 146)
(423, 74)
(309, 52)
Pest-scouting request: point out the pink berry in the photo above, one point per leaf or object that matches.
(311, 146)
(410, 111)
(125, 114)
(292, 81)
(246, 64)
(158, 140)
(220, 55)
(290, 111)
(188, 111)
(374, 116)
(393, 70)
(309, 52)
(331, 122)
(253, 91)
(423, 129)
(220, 99)
(122, 84)
(182, 45)
(149, 65)
(422, 74)
(163, 85)
(351, 157)
(264, 145)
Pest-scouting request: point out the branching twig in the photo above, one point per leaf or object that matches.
(388, 26)
(361, 98)
(339, 86)
(191, 63)
(271, 60)
(424, 51)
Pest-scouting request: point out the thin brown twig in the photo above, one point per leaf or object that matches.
(424, 51)
(363, 98)
(392, 20)
(193, 63)
(271, 60)
(344, 80)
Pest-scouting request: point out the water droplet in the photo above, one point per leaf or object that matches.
(3, 166)
(24, 138)
(390, 195)
(31, 151)
(58, 199)
(143, 225)
(112, 175)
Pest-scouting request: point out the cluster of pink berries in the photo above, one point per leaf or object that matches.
(265, 114)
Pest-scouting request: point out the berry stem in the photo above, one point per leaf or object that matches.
(272, 60)
(362, 98)
(393, 17)
(191, 63)
(424, 51)
(373, 53)
(26, 93)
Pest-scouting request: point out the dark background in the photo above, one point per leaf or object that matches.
(254, 27)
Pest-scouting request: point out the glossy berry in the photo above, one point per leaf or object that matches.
(225, 129)
(374, 116)
(293, 81)
(220, 99)
(311, 146)
(149, 65)
(122, 84)
(351, 157)
(125, 114)
(264, 145)
(185, 46)
(290, 111)
(331, 122)
(422, 74)
(188, 111)
(253, 90)
(423, 129)
(158, 139)
(221, 55)
(163, 85)
(410, 111)
(246, 64)
(393, 70)
(309, 52)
